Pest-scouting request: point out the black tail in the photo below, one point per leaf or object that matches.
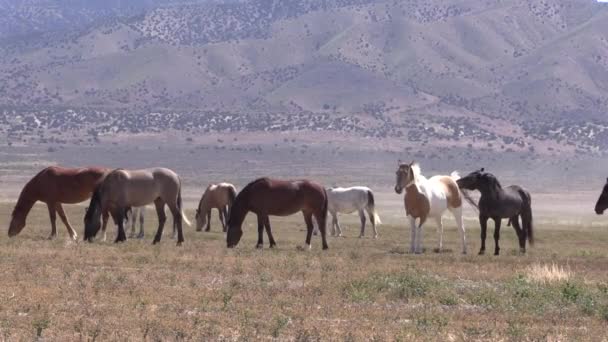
(91, 217)
(370, 199)
(526, 215)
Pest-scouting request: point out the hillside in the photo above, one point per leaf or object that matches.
(504, 75)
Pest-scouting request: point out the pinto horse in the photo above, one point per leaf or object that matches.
(55, 186)
(267, 196)
(429, 198)
(497, 203)
(122, 189)
(219, 196)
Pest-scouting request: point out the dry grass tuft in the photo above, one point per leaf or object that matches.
(543, 273)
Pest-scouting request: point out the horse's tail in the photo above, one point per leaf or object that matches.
(526, 215)
(371, 207)
(324, 209)
(179, 205)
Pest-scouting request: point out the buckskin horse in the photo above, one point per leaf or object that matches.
(122, 189)
(56, 186)
(266, 197)
(219, 196)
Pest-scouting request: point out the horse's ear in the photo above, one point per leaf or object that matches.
(483, 169)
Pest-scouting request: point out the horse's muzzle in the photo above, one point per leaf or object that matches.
(599, 212)
(398, 189)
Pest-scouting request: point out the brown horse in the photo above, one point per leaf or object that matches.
(122, 189)
(54, 186)
(266, 197)
(219, 196)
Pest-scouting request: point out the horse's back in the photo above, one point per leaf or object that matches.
(347, 200)
(284, 197)
(446, 187)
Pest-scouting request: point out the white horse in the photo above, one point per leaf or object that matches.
(349, 200)
(135, 213)
(426, 198)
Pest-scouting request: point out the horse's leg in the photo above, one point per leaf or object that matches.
(521, 234)
(132, 222)
(338, 225)
(334, 222)
(269, 232)
(119, 218)
(162, 218)
(208, 226)
(178, 232)
(105, 217)
(309, 228)
(141, 223)
(260, 243)
(223, 217)
(497, 222)
(65, 221)
(483, 222)
(412, 234)
(362, 217)
(321, 218)
(439, 221)
(53, 217)
(372, 219)
(457, 212)
(419, 242)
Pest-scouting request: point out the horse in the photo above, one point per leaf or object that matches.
(349, 200)
(602, 201)
(137, 212)
(122, 189)
(219, 196)
(55, 186)
(497, 203)
(426, 198)
(265, 197)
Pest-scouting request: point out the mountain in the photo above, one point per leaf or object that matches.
(505, 75)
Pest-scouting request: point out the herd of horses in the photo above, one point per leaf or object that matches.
(123, 194)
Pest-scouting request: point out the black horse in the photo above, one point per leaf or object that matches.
(602, 202)
(497, 203)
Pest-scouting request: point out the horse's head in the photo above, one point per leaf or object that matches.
(201, 219)
(406, 175)
(92, 218)
(602, 202)
(17, 223)
(233, 235)
(473, 180)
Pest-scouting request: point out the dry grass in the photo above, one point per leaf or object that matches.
(360, 289)
(548, 274)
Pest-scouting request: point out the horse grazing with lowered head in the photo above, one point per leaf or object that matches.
(265, 197)
(56, 186)
(122, 189)
(602, 202)
(349, 200)
(496, 202)
(429, 198)
(216, 196)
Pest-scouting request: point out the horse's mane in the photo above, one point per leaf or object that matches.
(493, 180)
(237, 204)
(25, 202)
(416, 172)
(95, 202)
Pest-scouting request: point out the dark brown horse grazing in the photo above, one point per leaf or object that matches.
(56, 185)
(602, 202)
(266, 197)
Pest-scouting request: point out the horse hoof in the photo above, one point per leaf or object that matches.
(259, 246)
(481, 252)
(522, 251)
(273, 245)
(179, 243)
(325, 247)
(375, 237)
(51, 237)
